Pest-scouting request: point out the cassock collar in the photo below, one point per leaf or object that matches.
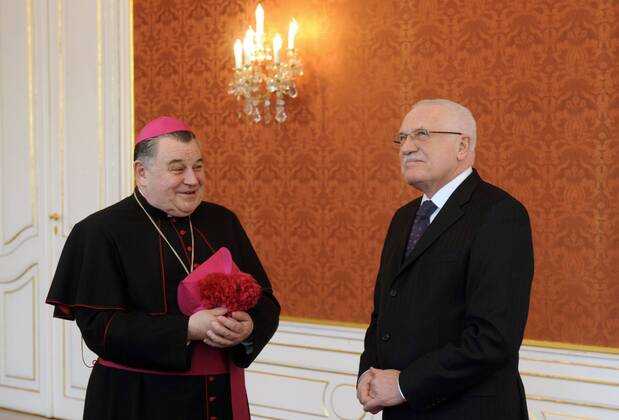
(154, 211)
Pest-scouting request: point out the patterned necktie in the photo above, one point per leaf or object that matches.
(421, 223)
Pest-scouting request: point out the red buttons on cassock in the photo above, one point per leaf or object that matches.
(211, 378)
(182, 231)
(189, 248)
(212, 398)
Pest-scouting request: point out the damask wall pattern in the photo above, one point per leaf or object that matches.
(316, 194)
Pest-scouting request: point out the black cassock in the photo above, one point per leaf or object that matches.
(118, 279)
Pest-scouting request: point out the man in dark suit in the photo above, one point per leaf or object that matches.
(452, 292)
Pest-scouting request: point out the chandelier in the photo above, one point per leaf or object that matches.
(261, 72)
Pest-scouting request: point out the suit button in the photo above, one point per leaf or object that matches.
(386, 337)
(393, 293)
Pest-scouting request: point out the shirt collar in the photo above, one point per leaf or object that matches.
(150, 209)
(442, 195)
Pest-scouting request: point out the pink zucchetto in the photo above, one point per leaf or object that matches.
(160, 126)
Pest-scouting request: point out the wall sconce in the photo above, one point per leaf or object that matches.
(260, 71)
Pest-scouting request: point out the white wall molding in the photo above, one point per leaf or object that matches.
(19, 339)
(560, 384)
(307, 371)
(569, 382)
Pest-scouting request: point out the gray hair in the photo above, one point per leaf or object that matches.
(146, 150)
(463, 114)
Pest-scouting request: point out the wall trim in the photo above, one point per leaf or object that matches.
(563, 382)
(526, 342)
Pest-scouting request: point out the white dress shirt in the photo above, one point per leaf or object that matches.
(440, 198)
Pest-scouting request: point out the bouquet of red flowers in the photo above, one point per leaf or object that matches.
(234, 291)
(218, 282)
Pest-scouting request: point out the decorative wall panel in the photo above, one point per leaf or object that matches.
(83, 185)
(559, 384)
(317, 193)
(19, 332)
(17, 160)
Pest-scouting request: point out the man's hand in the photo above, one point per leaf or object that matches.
(384, 390)
(363, 390)
(229, 331)
(201, 322)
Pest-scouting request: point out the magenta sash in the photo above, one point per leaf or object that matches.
(206, 360)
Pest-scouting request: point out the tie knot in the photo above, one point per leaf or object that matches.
(426, 209)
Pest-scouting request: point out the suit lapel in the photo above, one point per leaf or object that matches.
(449, 214)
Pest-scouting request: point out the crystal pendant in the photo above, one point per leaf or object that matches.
(292, 92)
(281, 116)
(271, 85)
(257, 117)
(248, 109)
(267, 111)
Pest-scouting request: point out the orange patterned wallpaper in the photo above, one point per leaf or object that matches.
(316, 194)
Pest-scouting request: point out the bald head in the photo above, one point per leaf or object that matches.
(462, 117)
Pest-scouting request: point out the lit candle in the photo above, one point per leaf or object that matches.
(248, 45)
(292, 31)
(238, 54)
(259, 27)
(277, 45)
(259, 20)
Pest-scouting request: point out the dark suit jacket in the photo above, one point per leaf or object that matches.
(451, 316)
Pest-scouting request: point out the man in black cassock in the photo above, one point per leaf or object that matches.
(118, 276)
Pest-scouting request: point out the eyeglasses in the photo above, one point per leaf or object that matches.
(420, 134)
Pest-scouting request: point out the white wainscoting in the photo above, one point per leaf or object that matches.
(309, 371)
